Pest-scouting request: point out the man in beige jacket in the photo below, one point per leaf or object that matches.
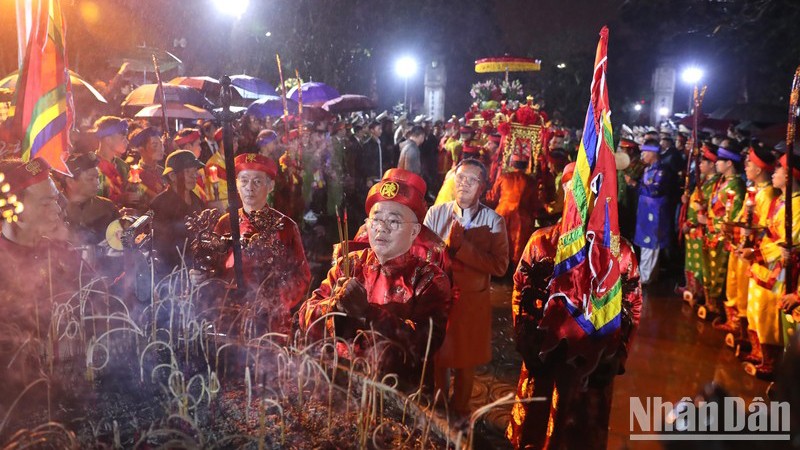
(477, 241)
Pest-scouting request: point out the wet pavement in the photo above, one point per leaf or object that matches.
(674, 355)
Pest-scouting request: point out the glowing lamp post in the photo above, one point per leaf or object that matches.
(406, 67)
(691, 76)
(233, 8)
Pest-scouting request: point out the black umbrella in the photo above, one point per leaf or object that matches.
(349, 103)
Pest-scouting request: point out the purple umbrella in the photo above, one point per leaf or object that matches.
(349, 103)
(271, 106)
(314, 94)
(251, 87)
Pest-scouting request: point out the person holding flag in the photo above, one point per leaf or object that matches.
(584, 310)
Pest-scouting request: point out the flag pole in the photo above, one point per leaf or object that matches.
(230, 176)
(791, 131)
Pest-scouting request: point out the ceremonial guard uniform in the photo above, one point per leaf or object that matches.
(216, 178)
(403, 295)
(695, 231)
(757, 202)
(112, 132)
(724, 204)
(767, 280)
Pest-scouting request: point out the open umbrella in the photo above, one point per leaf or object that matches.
(140, 59)
(314, 94)
(176, 111)
(316, 114)
(10, 82)
(348, 103)
(251, 87)
(148, 94)
(271, 106)
(207, 85)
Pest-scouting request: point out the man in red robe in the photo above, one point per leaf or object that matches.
(385, 287)
(572, 415)
(39, 272)
(274, 263)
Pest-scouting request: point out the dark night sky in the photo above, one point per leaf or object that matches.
(352, 44)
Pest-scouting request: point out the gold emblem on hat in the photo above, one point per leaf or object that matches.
(33, 167)
(251, 157)
(389, 190)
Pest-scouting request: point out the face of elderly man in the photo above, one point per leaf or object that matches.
(254, 188)
(469, 185)
(41, 213)
(391, 227)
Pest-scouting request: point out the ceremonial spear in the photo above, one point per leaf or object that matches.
(230, 177)
(694, 153)
(283, 98)
(791, 129)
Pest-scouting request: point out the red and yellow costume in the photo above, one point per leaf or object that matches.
(515, 195)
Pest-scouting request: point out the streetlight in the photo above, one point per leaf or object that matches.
(663, 111)
(232, 7)
(406, 67)
(637, 107)
(691, 76)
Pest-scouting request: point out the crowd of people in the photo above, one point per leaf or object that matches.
(439, 208)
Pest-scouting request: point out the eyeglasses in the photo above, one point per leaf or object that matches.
(390, 224)
(255, 182)
(466, 180)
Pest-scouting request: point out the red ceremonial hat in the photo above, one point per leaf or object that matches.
(22, 175)
(293, 134)
(187, 136)
(466, 130)
(401, 186)
(469, 148)
(409, 177)
(254, 161)
(795, 169)
(708, 153)
(569, 170)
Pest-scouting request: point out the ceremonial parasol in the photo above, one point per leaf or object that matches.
(506, 64)
(314, 94)
(149, 94)
(271, 106)
(10, 82)
(349, 103)
(251, 87)
(176, 111)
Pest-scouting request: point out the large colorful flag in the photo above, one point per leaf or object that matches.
(585, 305)
(43, 105)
